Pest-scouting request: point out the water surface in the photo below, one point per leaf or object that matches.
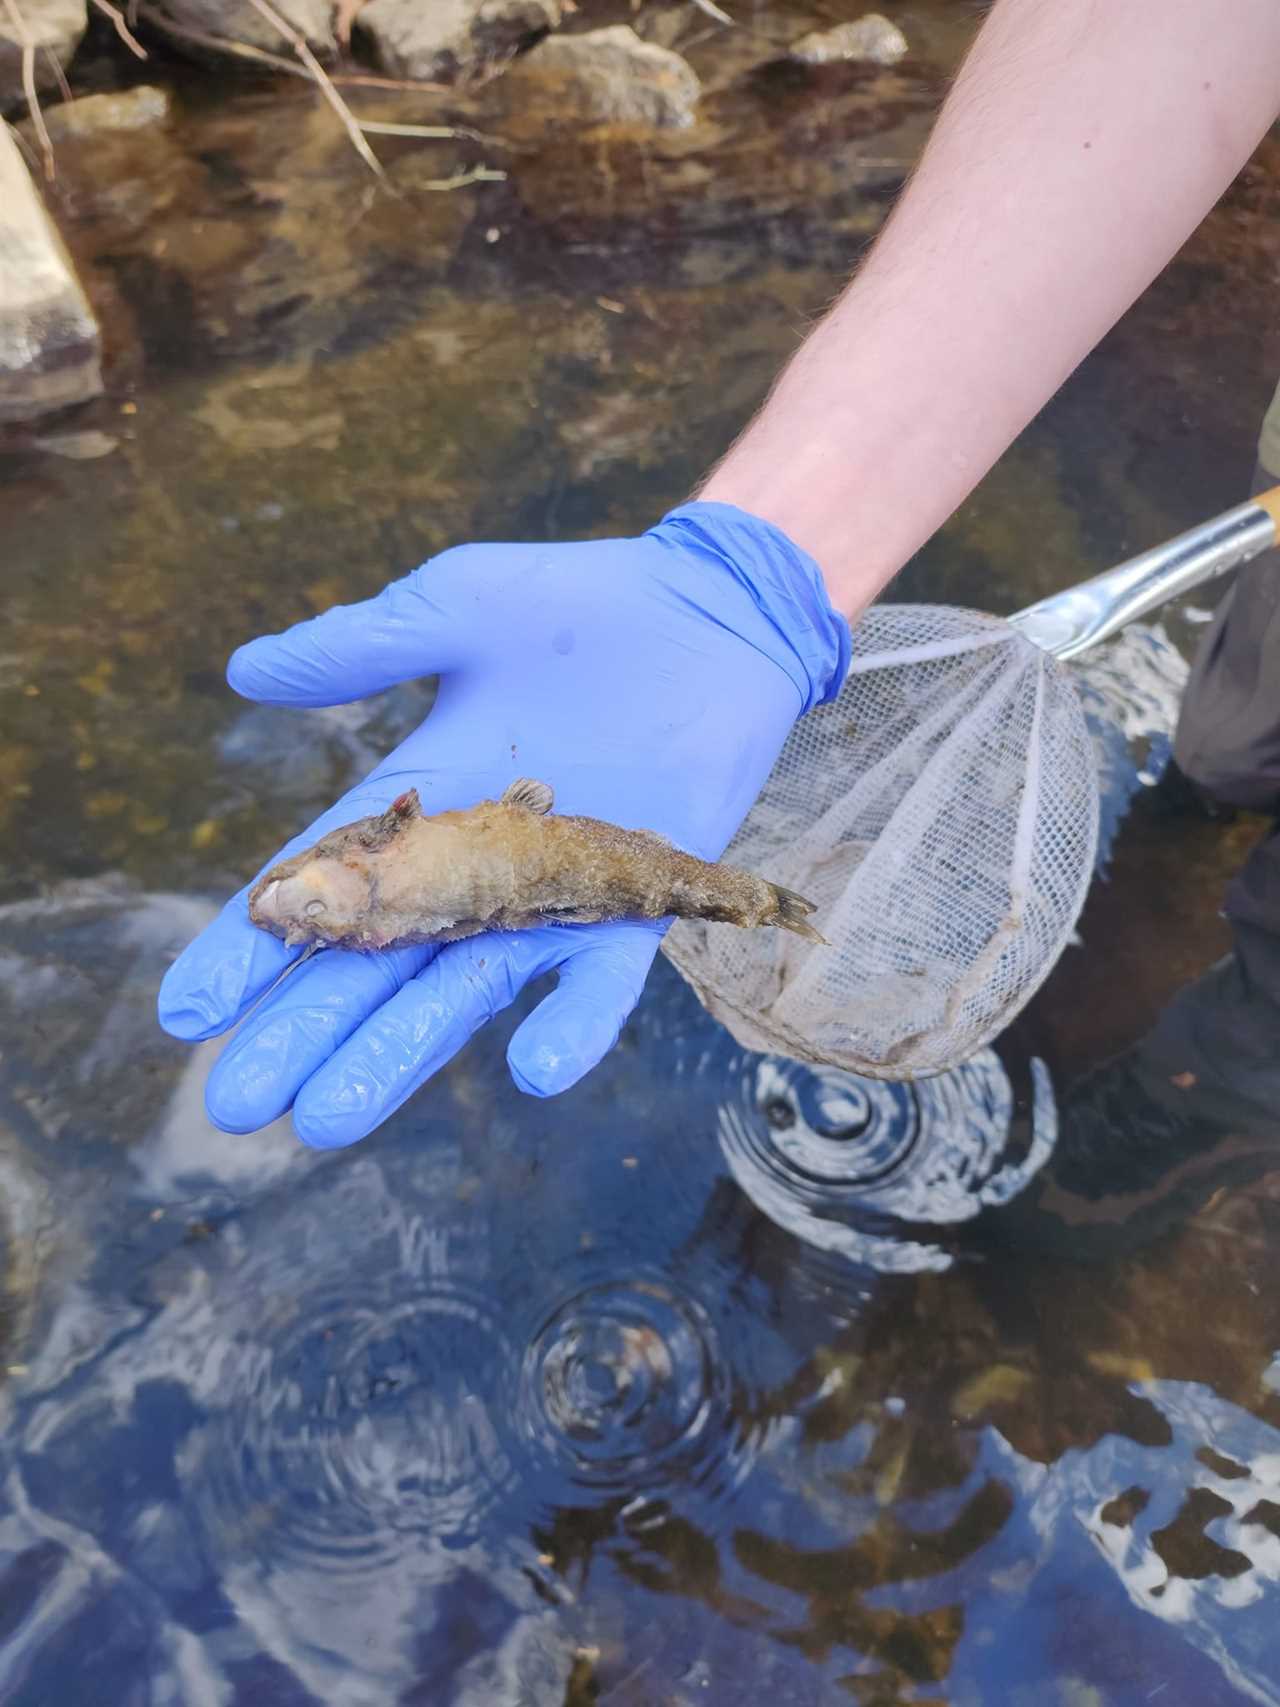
(717, 1380)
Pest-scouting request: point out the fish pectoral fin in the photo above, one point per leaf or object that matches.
(529, 796)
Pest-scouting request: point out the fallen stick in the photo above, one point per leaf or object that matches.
(302, 48)
(29, 84)
(460, 180)
(122, 29)
(59, 75)
(276, 61)
(435, 132)
(713, 11)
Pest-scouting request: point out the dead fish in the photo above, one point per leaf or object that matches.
(504, 865)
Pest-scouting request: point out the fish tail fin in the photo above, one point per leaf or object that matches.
(792, 914)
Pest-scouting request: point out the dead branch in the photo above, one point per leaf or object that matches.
(275, 61)
(221, 44)
(460, 180)
(29, 84)
(371, 80)
(59, 75)
(302, 48)
(436, 132)
(713, 11)
(343, 20)
(122, 29)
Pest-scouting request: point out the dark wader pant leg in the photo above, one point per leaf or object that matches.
(1228, 736)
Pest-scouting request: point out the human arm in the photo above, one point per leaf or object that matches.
(1081, 144)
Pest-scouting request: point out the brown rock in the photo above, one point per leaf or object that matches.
(605, 76)
(450, 40)
(872, 38)
(100, 115)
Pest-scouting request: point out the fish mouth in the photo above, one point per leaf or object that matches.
(323, 902)
(272, 907)
(264, 903)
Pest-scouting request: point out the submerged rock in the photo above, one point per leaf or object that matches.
(449, 40)
(49, 341)
(54, 28)
(237, 20)
(873, 38)
(92, 115)
(606, 76)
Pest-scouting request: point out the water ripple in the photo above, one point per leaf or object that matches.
(624, 1389)
(838, 1160)
(368, 1424)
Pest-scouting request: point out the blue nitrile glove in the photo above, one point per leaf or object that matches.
(650, 681)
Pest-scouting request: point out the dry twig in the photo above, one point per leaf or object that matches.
(344, 18)
(713, 11)
(276, 61)
(29, 84)
(460, 180)
(434, 132)
(221, 44)
(59, 75)
(302, 48)
(122, 29)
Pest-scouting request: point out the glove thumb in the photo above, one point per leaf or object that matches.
(354, 650)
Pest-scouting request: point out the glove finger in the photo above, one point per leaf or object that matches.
(575, 1027)
(219, 974)
(352, 651)
(297, 1028)
(417, 1032)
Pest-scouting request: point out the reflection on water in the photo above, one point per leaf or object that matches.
(718, 1380)
(815, 1147)
(480, 1409)
(1131, 688)
(623, 1386)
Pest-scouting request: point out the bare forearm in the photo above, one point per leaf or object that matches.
(1082, 143)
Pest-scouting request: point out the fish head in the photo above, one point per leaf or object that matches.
(327, 893)
(316, 898)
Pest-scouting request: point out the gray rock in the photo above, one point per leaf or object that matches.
(237, 20)
(872, 38)
(49, 341)
(449, 40)
(55, 28)
(607, 76)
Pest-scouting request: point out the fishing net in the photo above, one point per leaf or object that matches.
(942, 813)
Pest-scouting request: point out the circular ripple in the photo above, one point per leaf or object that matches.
(834, 1128)
(837, 1159)
(366, 1426)
(623, 1387)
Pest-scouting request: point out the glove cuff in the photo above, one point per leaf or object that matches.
(802, 631)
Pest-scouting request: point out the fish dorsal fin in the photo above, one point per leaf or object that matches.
(529, 796)
(402, 810)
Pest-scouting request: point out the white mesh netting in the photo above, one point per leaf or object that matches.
(942, 813)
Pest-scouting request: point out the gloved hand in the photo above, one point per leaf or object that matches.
(650, 681)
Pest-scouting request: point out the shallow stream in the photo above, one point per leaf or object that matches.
(717, 1380)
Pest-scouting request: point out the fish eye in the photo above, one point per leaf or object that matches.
(313, 909)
